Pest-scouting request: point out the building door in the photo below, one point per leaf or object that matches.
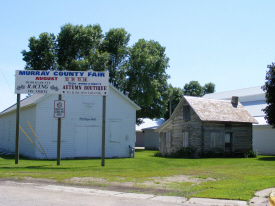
(228, 144)
(88, 141)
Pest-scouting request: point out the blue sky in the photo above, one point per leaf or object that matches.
(229, 43)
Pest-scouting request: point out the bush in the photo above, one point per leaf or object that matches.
(157, 154)
(183, 152)
(250, 153)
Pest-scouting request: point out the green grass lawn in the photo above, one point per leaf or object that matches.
(236, 178)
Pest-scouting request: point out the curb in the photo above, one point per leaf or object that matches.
(272, 198)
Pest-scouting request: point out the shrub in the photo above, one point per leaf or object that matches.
(157, 154)
(250, 153)
(183, 152)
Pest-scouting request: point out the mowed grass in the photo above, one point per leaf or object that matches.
(236, 178)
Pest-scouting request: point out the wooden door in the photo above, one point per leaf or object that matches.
(228, 144)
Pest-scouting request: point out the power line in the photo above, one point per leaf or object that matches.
(7, 82)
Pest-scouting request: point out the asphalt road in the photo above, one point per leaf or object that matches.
(26, 194)
(14, 193)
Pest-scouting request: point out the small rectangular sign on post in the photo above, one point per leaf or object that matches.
(59, 109)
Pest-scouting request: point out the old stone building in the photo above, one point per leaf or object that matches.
(207, 125)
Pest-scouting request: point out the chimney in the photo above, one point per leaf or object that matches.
(235, 100)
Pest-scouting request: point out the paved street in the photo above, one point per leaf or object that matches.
(27, 194)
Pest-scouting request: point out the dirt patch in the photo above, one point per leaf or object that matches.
(154, 183)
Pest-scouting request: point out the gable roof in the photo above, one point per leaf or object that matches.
(34, 99)
(213, 110)
(149, 124)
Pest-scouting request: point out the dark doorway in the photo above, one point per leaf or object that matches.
(228, 144)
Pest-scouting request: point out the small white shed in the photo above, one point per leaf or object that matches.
(146, 135)
(253, 100)
(81, 134)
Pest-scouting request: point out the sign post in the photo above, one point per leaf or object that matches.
(17, 129)
(59, 112)
(62, 83)
(103, 131)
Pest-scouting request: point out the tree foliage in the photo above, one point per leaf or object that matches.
(76, 44)
(176, 94)
(115, 43)
(147, 79)
(269, 89)
(42, 54)
(193, 88)
(139, 70)
(209, 88)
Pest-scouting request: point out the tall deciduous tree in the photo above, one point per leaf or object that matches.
(139, 70)
(42, 54)
(75, 44)
(115, 43)
(269, 89)
(147, 79)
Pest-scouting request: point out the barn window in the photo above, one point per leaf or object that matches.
(115, 130)
(215, 140)
(185, 139)
(168, 139)
(186, 112)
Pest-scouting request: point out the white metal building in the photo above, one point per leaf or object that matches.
(81, 134)
(145, 133)
(253, 99)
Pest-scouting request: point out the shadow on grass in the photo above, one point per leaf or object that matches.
(270, 158)
(10, 157)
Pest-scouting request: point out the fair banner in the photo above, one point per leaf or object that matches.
(61, 82)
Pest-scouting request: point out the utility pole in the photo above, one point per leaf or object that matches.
(59, 136)
(17, 129)
(103, 131)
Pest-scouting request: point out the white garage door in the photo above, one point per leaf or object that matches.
(88, 141)
(264, 140)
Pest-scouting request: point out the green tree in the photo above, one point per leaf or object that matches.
(42, 54)
(139, 70)
(193, 88)
(75, 44)
(269, 89)
(115, 43)
(176, 95)
(147, 79)
(209, 88)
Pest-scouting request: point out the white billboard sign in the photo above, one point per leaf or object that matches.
(61, 82)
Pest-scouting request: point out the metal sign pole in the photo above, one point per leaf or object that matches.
(17, 129)
(59, 136)
(103, 131)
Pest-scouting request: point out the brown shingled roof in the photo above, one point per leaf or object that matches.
(219, 110)
(213, 110)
